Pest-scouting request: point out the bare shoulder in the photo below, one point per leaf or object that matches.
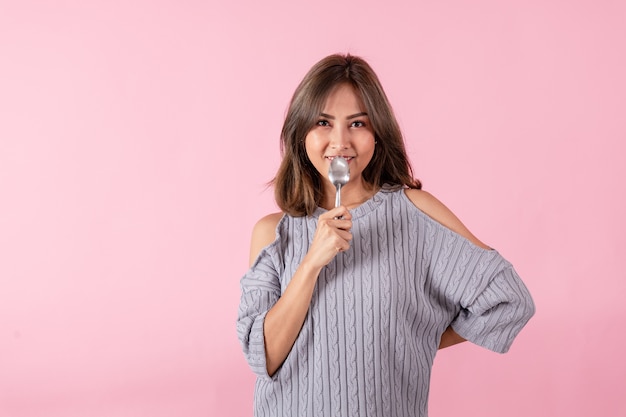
(437, 211)
(263, 233)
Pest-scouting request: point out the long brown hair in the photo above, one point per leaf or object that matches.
(298, 185)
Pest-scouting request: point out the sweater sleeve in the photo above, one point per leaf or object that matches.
(493, 317)
(260, 290)
(489, 301)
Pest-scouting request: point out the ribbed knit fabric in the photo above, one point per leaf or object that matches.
(378, 312)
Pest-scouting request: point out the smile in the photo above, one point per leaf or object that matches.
(347, 158)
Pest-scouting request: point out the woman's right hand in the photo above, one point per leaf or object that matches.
(333, 235)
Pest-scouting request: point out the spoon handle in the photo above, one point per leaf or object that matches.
(338, 195)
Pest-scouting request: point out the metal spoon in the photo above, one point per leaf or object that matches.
(339, 175)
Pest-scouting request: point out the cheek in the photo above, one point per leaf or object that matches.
(313, 142)
(307, 144)
(366, 142)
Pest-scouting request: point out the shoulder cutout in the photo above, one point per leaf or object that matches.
(437, 211)
(263, 233)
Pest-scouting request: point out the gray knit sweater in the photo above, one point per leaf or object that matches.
(378, 311)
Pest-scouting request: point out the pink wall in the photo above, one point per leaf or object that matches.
(136, 139)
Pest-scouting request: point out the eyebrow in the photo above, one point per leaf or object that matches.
(328, 116)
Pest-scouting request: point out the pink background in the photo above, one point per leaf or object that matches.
(136, 138)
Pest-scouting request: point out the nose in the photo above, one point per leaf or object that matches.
(340, 138)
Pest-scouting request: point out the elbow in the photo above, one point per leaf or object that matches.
(529, 310)
(250, 333)
(525, 310)
(522, 300)
(527, 305)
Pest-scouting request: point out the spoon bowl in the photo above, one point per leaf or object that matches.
(339, 175)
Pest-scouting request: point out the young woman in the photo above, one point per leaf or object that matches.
(343, 309)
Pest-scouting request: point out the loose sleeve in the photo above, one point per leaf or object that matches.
(488, 301)
(260, 290)
(494, 316)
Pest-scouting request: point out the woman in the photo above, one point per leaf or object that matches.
(343, 309)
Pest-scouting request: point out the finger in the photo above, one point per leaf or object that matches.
(342, 246)
(338, 212)
(342, 225)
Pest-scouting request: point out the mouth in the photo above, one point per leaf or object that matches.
(347, 158)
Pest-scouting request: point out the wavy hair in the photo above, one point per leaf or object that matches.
(298, 186)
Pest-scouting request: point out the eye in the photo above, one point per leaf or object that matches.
(322, 122)
(357, 123)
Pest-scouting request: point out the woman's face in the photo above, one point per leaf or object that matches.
(343, 129)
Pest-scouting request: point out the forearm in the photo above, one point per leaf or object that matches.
(284, 320)
(450, 338)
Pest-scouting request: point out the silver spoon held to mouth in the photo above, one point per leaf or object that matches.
(339, 175)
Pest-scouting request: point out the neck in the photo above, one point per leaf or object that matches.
(352, 195)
